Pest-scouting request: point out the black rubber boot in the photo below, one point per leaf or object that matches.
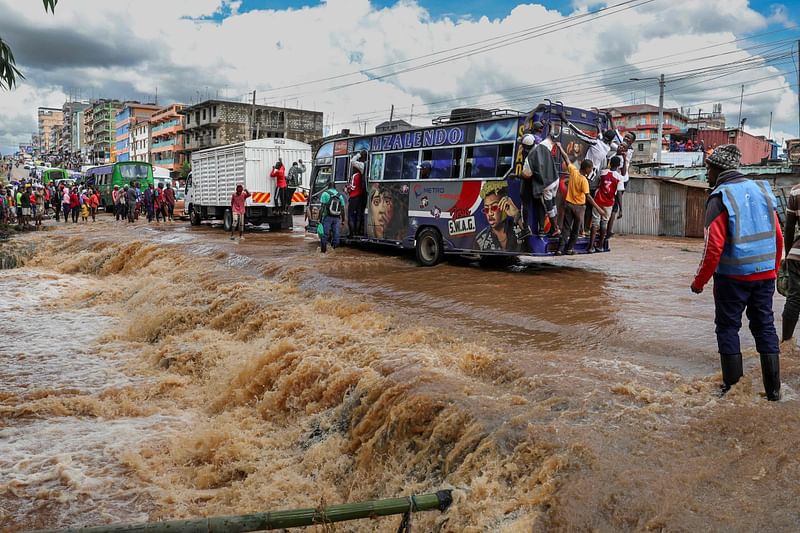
(771, 373)
(731, 370)
(788, 328)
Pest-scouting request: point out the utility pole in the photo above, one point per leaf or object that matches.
(798, 87)
(661, 85)
(391, 114)
(253, 116)
(769, 135)
(741, 100)
(411, 118)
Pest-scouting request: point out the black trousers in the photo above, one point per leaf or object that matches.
(355, 215)
(734, 297)
(573, 219)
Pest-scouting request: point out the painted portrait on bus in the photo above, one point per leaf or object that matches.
(506, 229)
(576, 149)
(387, 211)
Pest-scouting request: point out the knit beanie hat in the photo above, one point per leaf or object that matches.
(725, 157)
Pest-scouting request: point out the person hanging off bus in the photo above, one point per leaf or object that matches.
(743, 249)
(332, 209)
(622, 179)
(357, 194)
(238, 210)
(604, 199)
(539, 194)
(281, 197)
(576, 198)
(599, 152)
(507, 229)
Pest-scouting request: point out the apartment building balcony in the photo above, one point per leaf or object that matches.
(163, 144)
(169, 124)
(164, 162)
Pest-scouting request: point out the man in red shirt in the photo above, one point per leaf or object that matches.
(281, 196)
(356, 194)
(238, 209)
(743, 249)
(94, 203)
(604, 199)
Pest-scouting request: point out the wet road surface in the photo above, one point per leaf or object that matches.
(181, 374)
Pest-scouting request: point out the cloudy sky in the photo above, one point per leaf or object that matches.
(354, 59)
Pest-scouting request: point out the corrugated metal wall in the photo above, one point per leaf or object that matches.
(640, 208)
(655, 207)
(695, 211)
(672, 215)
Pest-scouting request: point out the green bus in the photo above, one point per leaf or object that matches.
(55, 175)
(121, 173)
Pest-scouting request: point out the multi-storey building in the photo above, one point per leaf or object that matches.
(218, 122)
(50, 118)
(103, 114)
(129, 113)
(139, 142)
(87, 135)
(643, 121)
(167, 139)
(71, 132)
(707, 121)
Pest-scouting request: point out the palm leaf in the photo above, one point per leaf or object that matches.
(8, 71)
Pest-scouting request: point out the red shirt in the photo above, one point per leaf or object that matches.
(237, 202)
(74, 201)
(280, 174)
(354, 187)
(606, 190)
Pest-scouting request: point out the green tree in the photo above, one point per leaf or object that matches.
(8, 69)
(185, 169)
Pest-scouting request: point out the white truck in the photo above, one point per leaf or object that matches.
(217, 171)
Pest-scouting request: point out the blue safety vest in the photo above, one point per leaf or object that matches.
(750, 247)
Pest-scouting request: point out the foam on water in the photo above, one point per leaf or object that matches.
(261, 384)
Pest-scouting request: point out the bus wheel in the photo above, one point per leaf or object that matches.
(430, 250)
(227, 220)
(194, 217)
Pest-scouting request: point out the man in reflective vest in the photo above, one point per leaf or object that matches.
(743, 249)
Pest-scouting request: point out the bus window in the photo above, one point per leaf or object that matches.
(488, 161)
(505, 159)
(321, 180)
(342, 164)
(445, 163)
(401, 166)
(376, 168)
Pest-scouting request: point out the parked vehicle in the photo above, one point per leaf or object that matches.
(217, 171)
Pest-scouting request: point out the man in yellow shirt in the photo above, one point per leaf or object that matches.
(577, 196)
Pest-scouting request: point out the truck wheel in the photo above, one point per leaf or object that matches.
(194, 217)
(275, 226)
(429, 247)
(227, 220)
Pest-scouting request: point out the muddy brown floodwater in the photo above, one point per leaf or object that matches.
(159, 372)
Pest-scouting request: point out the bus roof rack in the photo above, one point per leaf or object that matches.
(465, 114)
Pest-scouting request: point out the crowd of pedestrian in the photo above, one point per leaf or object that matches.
(689, 145)
(27, 203)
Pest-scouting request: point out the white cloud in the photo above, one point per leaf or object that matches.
(135, 47)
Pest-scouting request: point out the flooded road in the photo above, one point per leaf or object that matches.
(156, 372)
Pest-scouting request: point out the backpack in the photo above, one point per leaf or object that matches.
(335, 206)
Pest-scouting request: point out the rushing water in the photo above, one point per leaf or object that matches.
(166, 371)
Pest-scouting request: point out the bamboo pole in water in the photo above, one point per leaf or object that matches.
(280, 519)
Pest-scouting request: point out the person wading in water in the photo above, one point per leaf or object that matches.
(743, 249)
